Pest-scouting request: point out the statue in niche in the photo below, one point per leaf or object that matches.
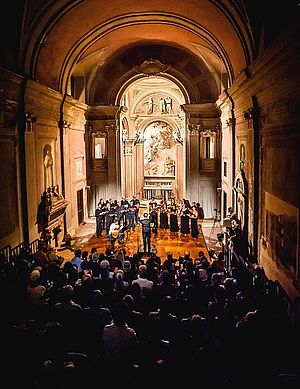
(177, 137)
(169, 105)
(151, 104)
(125, 135)
(138, 137)
(169, 167)
(48, 167)
(162, 105)
(55, 195)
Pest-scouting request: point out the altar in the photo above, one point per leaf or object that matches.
(158, 187)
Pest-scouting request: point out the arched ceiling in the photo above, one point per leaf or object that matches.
(176, 64)
(205, 42)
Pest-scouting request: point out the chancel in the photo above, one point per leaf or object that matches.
(186, 112)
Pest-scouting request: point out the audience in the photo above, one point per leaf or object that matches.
(174, 325)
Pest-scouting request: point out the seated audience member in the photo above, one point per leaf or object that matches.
(77, 260)
(119, 340)
(142, 280)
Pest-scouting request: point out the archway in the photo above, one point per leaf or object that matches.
(153, 139)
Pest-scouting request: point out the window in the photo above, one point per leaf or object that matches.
(207, 147)
(225, 169)
(100, 148)
(208, 142)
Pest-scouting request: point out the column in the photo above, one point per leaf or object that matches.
(139, 169)
(113, 156)
(179, 173)
(192, 159)
(128, 168)
(31, 178)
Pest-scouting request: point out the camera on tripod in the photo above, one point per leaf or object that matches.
(217, 216)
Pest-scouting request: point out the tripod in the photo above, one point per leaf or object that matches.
(216, 223)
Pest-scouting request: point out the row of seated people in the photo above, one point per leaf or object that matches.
(117, 321)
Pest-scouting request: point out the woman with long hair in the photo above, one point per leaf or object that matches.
(174, 227)
(184, 217)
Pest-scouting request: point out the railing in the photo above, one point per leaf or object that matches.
(9, 253)
(259, 279)
(5, 251)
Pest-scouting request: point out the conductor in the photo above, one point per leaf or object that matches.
(147, 224)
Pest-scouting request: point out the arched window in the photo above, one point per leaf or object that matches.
(99, 146)
(208, 144)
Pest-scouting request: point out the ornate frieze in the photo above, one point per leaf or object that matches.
(230, 122)
(248, 116)
(111, 127)
(194, 129)
(138, 137)
(29, 119)
(66, 126)
(151, 67)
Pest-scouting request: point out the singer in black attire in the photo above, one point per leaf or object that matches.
(146, 232)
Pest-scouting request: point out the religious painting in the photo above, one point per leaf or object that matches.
(282, 232)
(159, 150)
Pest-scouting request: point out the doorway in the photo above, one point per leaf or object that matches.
(80, 211)
(224, 204)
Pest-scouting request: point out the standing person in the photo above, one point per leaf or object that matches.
(131, 215)
(174, 227)
(103, 213)
(154, 217)
(113, 233)
(184, 217)
(124, 205)
(194, 221)
(200, 213)
(136, 203)
(110, 216)
(146, 232)
(100, 217)
(163, 216)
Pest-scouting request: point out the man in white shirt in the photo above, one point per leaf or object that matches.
(114, 232)
(146, 285)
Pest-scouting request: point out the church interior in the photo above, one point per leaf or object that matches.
(194, 100)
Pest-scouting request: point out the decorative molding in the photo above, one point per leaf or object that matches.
(66, 126)
(208, 132)
(29, 119)
(230, 122)
(98, 134)
(138, 137)
(111, 127)
(248, 116)
(152, 67)
(194, 129)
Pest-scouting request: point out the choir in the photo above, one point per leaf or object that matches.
(174, 215)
